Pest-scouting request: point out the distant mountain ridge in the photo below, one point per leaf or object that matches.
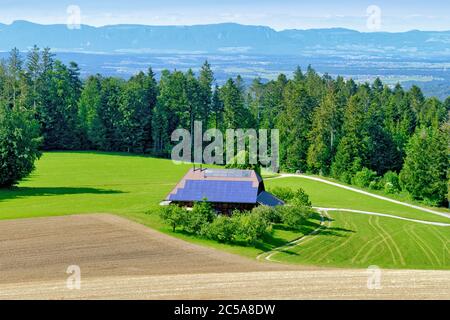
(220, 38)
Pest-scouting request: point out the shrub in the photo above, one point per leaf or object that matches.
(202, 214)
(205, 209)
(250, 226)
(283, 193)
(245, 226)
(298, 197)
(391, 182)
(346, 177)
(174, 216)
(294, 216)
(364, 177)
(301, 198)
(375, 184)
(222, 229)
(268, 213)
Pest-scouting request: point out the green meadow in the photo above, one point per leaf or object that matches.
(329, 196)
(355, 240)
(132, 186)
(81, 182)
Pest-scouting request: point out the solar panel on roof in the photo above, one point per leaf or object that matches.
(268, 199)
(216, 191)
(228, 173)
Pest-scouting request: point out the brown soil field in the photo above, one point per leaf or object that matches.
(121, 259)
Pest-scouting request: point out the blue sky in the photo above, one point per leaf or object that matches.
(398, 15)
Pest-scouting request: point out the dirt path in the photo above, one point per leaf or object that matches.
(440, 224)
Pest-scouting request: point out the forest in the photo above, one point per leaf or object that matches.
(370, 134)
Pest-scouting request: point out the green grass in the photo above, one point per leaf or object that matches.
(325, 195)
(403, 196)
(266, 174)
(132, 186)
(66, 183)
(355, 240)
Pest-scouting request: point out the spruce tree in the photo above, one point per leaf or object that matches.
(424, 174)
(324, 134)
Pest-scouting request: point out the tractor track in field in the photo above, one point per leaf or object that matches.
(268, 255)
(348, 224)
(423, 246)
(383, 235)
(367, 243)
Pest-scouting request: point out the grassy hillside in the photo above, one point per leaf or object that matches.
(65, 183)
(80, 182)
(325, 195)
(359, 241)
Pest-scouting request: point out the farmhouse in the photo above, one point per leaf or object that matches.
(226, 189)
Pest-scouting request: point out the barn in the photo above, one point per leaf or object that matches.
(225, 189)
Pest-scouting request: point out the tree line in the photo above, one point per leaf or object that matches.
(371, 135)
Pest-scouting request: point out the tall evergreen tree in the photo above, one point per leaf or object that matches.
(88, 112)
(109, 116)
(217, 108)
(195, 103)
(14, 78)
(424, 174)
(136, 114)
(324, 134)
(206, 79)
(351, 153)
(235, 113)
(59, 110)
(34, 69)
(255, 98)
(433, 113)
(272, 102)
(171, 111)
(294, 123)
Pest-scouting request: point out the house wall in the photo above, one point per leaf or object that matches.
(224, 208)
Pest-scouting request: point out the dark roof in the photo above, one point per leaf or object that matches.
(216, 191)
(221, 185)
(268, 199)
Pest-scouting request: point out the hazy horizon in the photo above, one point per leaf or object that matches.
(400, 16)
(222, 23)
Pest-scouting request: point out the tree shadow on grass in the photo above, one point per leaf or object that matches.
(316, 216)
(270, 242)
(310, 226)
(25, 192)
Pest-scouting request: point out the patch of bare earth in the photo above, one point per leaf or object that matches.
(124, 260)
